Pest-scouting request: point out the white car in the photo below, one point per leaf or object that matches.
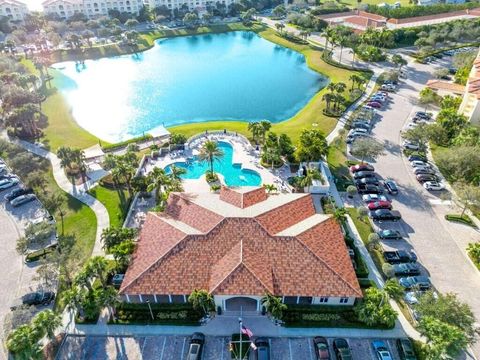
(411, 126)
(411, 298)
(357, 131)
(368, 198)
(418, 163)
(410, 146)
(433, 186)
(23, 199)
(8, 183)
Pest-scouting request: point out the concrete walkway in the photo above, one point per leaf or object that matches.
(77, 191)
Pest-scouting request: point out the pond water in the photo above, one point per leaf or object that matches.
(229, 76)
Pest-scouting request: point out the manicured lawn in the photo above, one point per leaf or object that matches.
(116, 202)
(363, 226)
(62, 128)
(337, 162)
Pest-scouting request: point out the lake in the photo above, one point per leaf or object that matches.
(229, 76)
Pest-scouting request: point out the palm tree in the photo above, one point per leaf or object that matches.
(355, 79)
(46, 322)
(265, 125)
(157, 180)
(312, 174)
(280, 27)
(274, 305)
(331, 87)
(328, 98)
(210, 152)
(393, 288)
(96, 268)
(65, 155)
(340, 215)
(107, 297)
(23, 343)
(340, 87)
(201, 299)
(176, 172)
(270, 188)
(256, 129)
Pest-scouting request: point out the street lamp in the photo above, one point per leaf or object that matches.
(150, 308)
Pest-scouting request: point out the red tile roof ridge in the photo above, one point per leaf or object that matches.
(328, 266)
(233, 251)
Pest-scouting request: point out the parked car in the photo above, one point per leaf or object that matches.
(381, 351)
(117, 280)
(34, 298)
(417, 157)
(388, 87)
(391, 187)
(341, 349)
(374, 104)
(196, 346)
(321, 348)
(8, 183)
(377, 98)
(361, 167)
(423, 115)
(384, 215)
(356, 125)
(18, 192)
(426, 177)
(369, 189)
(411, 297)
(356, 132)
(363, 174)
(420, 282)
(22, 199)
(263, 349)
(410, 146)
(389, 234)
(369, 180)
(405, 349)
(380, 205)
(423, 170)
(406, 269)
(419, 163)
(433, 186)
(368, 198)
(399, 256)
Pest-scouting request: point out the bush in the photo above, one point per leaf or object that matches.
(465, 219)
(178, 314)
(211, 177)
(215, 187)
(121, 144)
(418, 10)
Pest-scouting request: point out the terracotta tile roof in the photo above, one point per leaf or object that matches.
(241, 255)
(363, 22)
(372, 16)
(243, 198)
(443, 85)
(474, 87)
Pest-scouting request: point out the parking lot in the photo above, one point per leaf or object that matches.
(215, 348)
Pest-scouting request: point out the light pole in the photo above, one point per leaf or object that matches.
(150, 308)
(241, 338)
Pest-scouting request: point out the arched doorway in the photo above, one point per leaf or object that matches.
(241, 303)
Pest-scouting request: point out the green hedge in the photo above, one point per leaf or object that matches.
(465, 219)
(174, 314)
(121, 144)
(366, 283)
(419, 10)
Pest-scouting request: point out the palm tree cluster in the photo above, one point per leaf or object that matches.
(210, 152)
(259, 130)
(119, 242)
(277, 147)
(163, 183)
(274, 305)
(90, 291)
(312, 146)
(122, 169)
(202, 300)
(23, 342)
(72, 160)
(334, 97)
(375, 308)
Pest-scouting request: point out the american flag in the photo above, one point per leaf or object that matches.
(247, 331)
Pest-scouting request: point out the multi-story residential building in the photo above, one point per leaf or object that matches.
(13, 9)
(90, 8)
(239, 245)
(199, 5)
(470, 106)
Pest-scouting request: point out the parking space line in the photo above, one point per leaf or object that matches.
(143, 346)
(183, 346)
(290, 348)
(223, 349)
(163, 347)
(310, 348)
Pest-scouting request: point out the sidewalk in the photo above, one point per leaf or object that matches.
(79, 192)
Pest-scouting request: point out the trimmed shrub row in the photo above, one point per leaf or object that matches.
(177, 314)
(121, 144)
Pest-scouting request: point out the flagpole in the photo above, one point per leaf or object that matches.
(241, 334)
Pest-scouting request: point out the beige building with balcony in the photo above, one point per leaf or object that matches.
(199, 5)
(13, 9)
(91, 8)
(470, 106)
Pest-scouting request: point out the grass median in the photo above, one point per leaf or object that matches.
(115, 201)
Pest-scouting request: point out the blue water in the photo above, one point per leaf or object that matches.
(230, 76)
(233, 173)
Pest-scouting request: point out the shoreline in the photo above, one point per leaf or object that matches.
(310, 115)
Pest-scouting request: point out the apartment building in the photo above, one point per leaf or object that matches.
(13, 9)
(199, 5)
(91, 8)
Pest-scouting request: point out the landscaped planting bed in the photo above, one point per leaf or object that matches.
(171, 314)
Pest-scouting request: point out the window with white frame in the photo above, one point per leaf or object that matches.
(323, 300)
(343, 300)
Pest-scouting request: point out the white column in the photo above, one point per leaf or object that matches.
(155, 297)
(141, 299)
(169, 298)
(128, 298)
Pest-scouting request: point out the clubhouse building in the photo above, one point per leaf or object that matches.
(240, 244)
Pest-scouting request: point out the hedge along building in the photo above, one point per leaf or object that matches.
(239, 245)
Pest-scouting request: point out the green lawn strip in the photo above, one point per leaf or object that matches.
(465, 219)
(115, 201)
(337, 162)
(474, 260)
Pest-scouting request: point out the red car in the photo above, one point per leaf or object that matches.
(380, 205)
(375, 104)
(361, 167)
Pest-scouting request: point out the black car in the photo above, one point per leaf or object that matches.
(407, 269)
(369, 189)
(426, 171)
(263, 349)
(391, 187)
(384, 215)
(405, 349)
(321, 348)
(342, 350)
(399, 256)
(370, 180)
(196, 346)
(363, 174)
(423, 115)
(35, 298)
(426, 177)
(389, 234)
(18, 192)
(360, 125)
(419, 282)
(417, 157)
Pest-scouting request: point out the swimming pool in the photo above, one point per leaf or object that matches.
(233, 174)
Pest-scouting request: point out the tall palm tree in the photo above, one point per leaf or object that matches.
(158, 180)
(176, 172)
(328, 98)
(210, 152)
(201, 299)
(265, 126)
(97, 268)
(355, 79)
(311, 175)
(46, 322)
(65, 155)
(256, 129)
(274, 305)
